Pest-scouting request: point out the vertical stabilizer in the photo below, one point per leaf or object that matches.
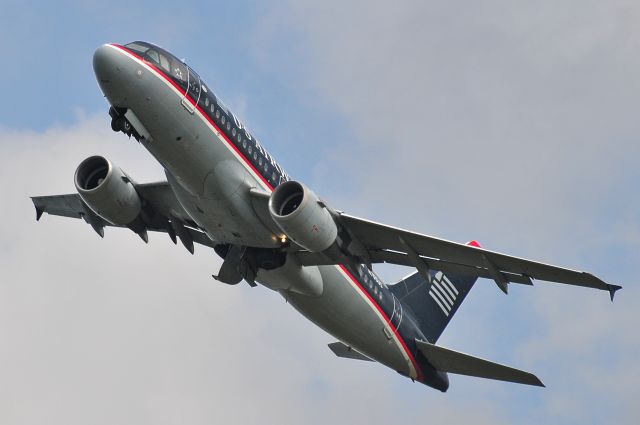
(433, 302)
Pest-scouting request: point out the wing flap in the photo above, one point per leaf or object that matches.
(450, 361)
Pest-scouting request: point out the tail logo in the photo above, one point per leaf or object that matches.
(443, 292)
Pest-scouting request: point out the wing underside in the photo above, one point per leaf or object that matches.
(372, 242)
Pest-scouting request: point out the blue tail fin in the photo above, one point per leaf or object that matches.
(433, 302)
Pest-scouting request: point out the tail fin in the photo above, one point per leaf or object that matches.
(433, 302)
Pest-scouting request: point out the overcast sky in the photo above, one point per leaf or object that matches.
(513, 124)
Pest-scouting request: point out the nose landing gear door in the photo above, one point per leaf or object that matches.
(193, 90)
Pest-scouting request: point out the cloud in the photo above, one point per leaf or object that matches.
(115, 331)
(498, 108)
(511, 124)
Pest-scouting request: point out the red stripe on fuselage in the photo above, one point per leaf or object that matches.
(202, 113)
(247, 162)
(386, 318)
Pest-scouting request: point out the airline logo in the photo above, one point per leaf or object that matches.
(443, 292)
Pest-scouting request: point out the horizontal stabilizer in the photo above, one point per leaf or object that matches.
(343, 350)
(451, 361)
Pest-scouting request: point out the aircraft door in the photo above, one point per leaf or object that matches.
(396, 316)
(194, 90)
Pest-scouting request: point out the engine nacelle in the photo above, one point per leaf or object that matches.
(107, 190)
(297, 211)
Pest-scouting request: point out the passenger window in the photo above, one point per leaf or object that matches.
(250, 149)
(233, 132)
(206, 101)
(217, 114)
(224, 119)
(228, 125)
(244, 143)
(260, 161)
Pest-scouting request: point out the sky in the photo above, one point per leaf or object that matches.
(512, 124)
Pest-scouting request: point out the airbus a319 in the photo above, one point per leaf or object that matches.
(223, 190)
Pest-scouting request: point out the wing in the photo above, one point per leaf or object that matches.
(161, 212)
(376, 243)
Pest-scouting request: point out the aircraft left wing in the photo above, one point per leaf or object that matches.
(371, 242)
(161, 212)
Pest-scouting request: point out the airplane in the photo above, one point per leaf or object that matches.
(223, 190)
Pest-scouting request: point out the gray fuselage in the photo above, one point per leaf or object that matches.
(211, 179)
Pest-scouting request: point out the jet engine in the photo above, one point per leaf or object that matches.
(302, 217)
(107, 190)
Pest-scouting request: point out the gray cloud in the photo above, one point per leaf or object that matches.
(514, 124)
(116, 331)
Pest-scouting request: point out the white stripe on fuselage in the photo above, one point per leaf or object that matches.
(221, 138)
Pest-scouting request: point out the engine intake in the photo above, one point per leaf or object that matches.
(107, 190)
(298, 212)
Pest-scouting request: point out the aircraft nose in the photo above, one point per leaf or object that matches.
(107, 65)
(104, 63)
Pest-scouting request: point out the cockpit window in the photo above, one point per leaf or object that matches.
(164, 63)
(154, 56)
(136, 47)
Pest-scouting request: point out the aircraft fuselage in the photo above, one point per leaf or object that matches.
(212, 162)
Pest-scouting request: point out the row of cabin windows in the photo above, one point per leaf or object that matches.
(259, 161)
(179, 71)
(368, 281)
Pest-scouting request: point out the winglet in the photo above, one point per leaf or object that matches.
(39, 212)
(39, 209)
(612, 290)
(474, 243)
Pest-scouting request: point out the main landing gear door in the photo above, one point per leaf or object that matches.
(194, 90)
